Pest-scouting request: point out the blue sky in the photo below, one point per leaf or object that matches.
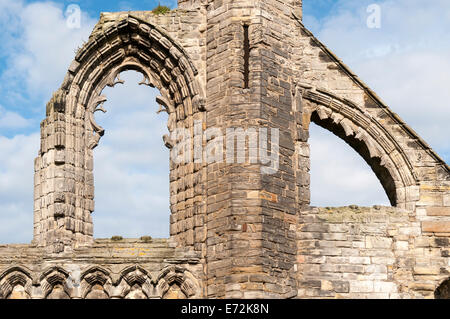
(406, 61)
(27, 102)
(93, 8)
(319, 9)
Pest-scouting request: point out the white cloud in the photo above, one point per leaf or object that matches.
(132, 154)
(40, 46)
(12, 120)
(406, 61)
(16, 187)
(37, 48)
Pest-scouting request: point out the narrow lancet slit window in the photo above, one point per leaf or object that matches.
(246, 57)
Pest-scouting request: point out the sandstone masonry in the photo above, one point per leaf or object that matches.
(234, 232)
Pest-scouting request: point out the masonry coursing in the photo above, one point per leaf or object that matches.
(234, 231)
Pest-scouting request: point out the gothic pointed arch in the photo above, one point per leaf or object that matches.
(71, 131)
(130, 44)
(176, 281)
(96, 283)
(15, 277)
(138, 281)
(55, 284)
(403, 162)
(367, 136)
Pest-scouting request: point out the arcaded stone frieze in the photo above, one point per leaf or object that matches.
(109, 269)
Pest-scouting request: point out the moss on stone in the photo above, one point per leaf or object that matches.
(146, 239)
(161, 9)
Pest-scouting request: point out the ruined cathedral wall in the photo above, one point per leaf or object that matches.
(237, 231)
(396, 252)
(420, 178)
(129, 268)
(168, 54)
(360, 252)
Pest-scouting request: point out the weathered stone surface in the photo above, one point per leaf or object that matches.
(438, 211)
(130, 268)
(238, 229)
(384, 264)
(436, 226)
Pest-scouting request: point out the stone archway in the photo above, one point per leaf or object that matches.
(64, 168)
(95, 283)
(369, 139)
(15, 283)
(176, 283)
(54, 282)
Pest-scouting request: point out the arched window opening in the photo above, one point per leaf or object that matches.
(443, 291)
(131, 163)
(58, 293)
(136, 293)
(174, 292)
(18, 292)
(339, 175)
(97, 292)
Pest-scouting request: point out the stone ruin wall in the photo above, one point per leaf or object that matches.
(378, 252)
(235, 233)
(345, 252)
(109, 269)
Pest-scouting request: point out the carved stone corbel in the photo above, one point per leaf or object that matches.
(98, 131)
(168, 142)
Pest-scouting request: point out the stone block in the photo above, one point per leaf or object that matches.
(412, 193)
(410, 231)
(436, 226)
(401, 245)
(359, 260)
(387, 287)
(378, 242)
(422, 242)
(431, 199)
(351, 268)
(427, 270)
(446, 200)
(422, 286)
(438, 211)
(341, 286)
(361, 286)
